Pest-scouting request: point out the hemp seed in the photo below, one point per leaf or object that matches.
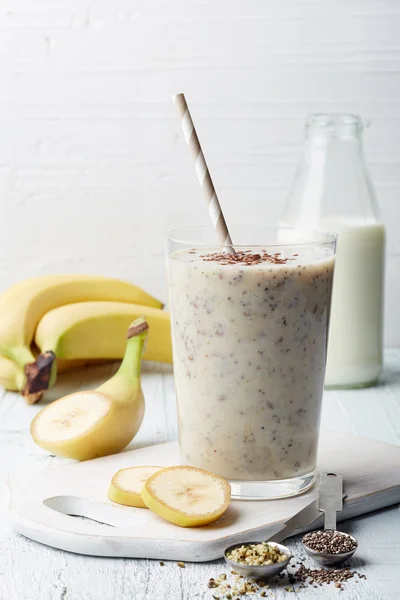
(257, 554)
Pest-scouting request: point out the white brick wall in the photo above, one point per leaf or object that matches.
(93, 167)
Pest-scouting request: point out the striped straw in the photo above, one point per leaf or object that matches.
(203, 174)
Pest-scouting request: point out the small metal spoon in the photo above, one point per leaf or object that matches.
(325, 558)
(330, 501)
(279, 531)
(258, 571)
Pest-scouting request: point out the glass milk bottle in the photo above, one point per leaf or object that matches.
(332, 189)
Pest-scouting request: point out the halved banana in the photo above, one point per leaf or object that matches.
(70, 417)
(98, 422)
(187, 496)
(127, 484)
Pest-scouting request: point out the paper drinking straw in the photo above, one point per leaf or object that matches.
(203, 174)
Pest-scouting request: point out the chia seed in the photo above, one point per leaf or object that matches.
(329, 542)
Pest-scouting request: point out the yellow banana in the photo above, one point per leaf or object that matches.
(97, 422)
(11, 376)
(24, 304)
(96, 330)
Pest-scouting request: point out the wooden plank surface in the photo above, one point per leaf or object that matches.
(29, 571)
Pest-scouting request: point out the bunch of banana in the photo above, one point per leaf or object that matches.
(94, 315)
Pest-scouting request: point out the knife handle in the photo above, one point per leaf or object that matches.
(330, 497)
(330, 520)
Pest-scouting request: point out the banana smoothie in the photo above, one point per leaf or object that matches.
(249, 344)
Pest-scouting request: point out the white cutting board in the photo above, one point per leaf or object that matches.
(371, 474)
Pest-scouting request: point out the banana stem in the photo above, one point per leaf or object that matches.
(137, 334)
(21, 355)
(124, 386)
(40, 376)
(35, 375)
(20, 379)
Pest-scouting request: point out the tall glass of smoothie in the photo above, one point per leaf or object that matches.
(249, 335)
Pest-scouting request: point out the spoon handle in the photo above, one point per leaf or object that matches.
(330, 497)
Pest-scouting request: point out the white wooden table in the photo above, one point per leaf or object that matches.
(30, 571)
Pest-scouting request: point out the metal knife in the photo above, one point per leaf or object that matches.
(105, 514)
(295, 524)
(330, 497)
(329, 501)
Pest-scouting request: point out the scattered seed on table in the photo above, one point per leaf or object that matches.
(321, 576)
(301, 578)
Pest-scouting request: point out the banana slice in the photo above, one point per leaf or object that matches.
(187, 496)
(127, 484)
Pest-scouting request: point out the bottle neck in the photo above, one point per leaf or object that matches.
(332, 182)
(342, 147)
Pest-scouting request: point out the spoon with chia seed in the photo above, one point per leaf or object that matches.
(330, 546)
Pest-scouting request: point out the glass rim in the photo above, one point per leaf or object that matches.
(330, 237)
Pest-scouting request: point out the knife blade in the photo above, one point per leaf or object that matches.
(296, 523)
(105, 514)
